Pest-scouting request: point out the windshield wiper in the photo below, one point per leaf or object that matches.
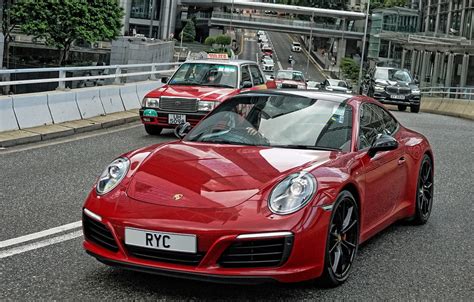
(184, 83)
(305, 147)
(219, 85)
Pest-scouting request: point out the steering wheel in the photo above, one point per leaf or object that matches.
(241, 135)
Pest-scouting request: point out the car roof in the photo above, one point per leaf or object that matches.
(319, 95)
(289, 70)
(224, 62)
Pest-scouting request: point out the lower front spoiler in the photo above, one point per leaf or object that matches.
(242, 280)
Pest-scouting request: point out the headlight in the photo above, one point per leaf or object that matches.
(379, 87)
(349, 91)
(112, 175)
(279, 85)
(206, 105)
(415, 91)
(329, 89)
(292, 193)
(151, 102)
(301, 87)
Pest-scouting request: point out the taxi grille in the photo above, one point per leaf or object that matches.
(98, 233)
(257, 253)
(179, 104)
(165, 256)
(398, 90)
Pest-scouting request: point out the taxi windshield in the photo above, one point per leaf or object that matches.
(206, 74)
(290, 75)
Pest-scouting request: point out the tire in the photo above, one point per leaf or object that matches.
(424, 192)
(402, 107)
(341, 242)
(415, 108)
(153, 130)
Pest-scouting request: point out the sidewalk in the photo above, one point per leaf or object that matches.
(47, 132)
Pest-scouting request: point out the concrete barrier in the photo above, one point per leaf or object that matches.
(129, 96)
(63, 106)
(7, 115)
(88, 101)
(145, 87)
(451, 107)
(32, 110)
(111, 100)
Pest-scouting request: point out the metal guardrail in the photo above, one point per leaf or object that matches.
(463, 93)
(116, 72)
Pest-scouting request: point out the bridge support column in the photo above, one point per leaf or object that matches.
(404, 54)
(442, 66)
(341, 50)
(435, 74)
(464, 70)
(413, 61)
(449, 70)
(425, 60)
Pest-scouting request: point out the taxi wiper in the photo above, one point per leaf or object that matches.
(219, 85)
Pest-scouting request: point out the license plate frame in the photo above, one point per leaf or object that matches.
(397, 97)
(176, 119)
(163, 241)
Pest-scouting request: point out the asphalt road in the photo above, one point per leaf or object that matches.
(44, 186)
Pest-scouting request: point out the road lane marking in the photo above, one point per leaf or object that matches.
(45, 233)
(39, 244)
(310, 58)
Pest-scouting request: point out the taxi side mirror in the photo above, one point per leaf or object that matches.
(164, 80)
(246, 84)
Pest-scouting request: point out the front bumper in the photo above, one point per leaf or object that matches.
(408, 100)
(161, 118)
(305, 261)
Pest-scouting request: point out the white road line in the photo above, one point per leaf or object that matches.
(279, 65)
(45, 233)
(40, 244)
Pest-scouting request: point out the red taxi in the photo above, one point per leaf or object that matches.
(290, 79)
(195, 89)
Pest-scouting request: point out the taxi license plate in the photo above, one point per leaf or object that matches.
(176, 119)
(397, 97)
(161, 240)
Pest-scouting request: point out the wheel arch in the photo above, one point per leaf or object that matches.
(352, 188)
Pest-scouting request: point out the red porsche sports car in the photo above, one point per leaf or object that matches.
(271, 185)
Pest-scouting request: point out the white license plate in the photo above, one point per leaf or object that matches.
(176, 119)
(161, 240)
(397, 97)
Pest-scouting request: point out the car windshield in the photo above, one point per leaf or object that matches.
(278, 121)
(206, 74)
(337, 83)
(296, 44)
(290, 75)
(393, 75)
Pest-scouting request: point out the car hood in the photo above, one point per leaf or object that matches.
(396, 83)
(196, 175)
(201, 92)
(339, 88)
(289, 82)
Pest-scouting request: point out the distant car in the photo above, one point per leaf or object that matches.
(263, 39)
(196, 88)
(267, 51)
(296, 47)
(268, 64)
(312, 85)
(260, 33)
(393, 86)
(336, 86)
(290, 79)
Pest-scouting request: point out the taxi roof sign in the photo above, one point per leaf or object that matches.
(218, 56)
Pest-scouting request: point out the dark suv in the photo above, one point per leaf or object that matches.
(393, 86)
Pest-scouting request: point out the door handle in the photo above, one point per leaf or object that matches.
(401, 160)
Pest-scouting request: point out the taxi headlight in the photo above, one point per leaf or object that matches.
(292, 193)
(112, 175)
(206, 105)
(151, 102)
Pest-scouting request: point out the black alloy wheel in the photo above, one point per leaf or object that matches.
(402, 107)
(424, 192)
(153, 130)
(342, 241)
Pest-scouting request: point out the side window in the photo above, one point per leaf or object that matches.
(245, 75)
(256, 76)
(371, 125)
(390, 123)
(337, 133)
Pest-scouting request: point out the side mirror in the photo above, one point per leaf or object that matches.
(182, 129)
(247, 84)
(383, 143)
(367, 76)
(164, 80)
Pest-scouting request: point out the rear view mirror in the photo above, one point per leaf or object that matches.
(164, 80)
(182, 129)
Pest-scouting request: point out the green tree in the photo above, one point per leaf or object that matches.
(350, 69)
(189, 32)
(210, 41)
(8, 22)
(61, 23)
(223, 40)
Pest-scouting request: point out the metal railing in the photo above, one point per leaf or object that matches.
(463, 93)
(115, 72)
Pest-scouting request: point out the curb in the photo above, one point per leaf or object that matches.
(47, 132)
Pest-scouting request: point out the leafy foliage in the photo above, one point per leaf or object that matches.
(189, 32)
(223, 40)
(210, 41)
(60, 23)
(350, 69)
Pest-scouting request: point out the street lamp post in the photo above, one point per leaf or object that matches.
(231, 14)
(359, 81)
(310, 43)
